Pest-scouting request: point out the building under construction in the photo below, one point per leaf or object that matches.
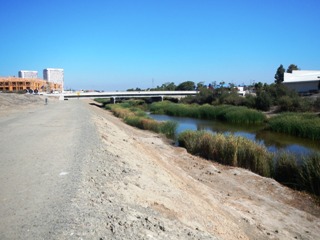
(14, 84)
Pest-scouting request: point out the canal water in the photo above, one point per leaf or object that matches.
(272, 141)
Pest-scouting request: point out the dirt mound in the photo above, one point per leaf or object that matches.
(8, 100)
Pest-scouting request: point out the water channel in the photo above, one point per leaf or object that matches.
(272, 141)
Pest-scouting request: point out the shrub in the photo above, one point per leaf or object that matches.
(263, 101)
(250, 101)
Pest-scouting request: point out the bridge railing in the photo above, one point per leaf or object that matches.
(133, 94)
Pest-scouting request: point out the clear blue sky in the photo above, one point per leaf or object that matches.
(121, 44)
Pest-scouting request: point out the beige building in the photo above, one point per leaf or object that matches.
(14, 84)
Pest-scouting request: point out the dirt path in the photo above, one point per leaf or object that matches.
(124, 183)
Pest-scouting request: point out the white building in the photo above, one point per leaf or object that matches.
(28, 74)
(241, 91)
(303, 80)
(54, 75)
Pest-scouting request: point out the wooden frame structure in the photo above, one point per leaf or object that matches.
(14, 84)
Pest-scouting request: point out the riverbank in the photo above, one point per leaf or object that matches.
(135, 185)
(231, 203)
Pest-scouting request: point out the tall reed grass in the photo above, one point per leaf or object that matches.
(286, 169)
(228, 150)
(309, 177)
(305, 125)
(135, 116)
(233, 114)
(241, 152)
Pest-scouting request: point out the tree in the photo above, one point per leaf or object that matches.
(186, 86)
(200, 85)
(292, 67)
(279, 74)
(168, 86)
(263, 101)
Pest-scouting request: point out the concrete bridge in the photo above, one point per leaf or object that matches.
(129, 94)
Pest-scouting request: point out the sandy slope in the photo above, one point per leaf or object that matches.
(229, 203)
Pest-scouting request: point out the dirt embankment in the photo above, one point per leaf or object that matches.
(136, 185)
(229, 203)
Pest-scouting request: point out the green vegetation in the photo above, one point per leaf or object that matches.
(305, 125)
(286, 169)
(232, 150)
(135, 116)
(227, 113)
(304, 177)
(228, 150)
(309, 177)
(241, 152)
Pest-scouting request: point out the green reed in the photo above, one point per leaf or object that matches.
(241, 152)
(233, 114)
(305, 125)
(228, 150)
(136, 117)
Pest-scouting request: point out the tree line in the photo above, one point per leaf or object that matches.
(261, 96)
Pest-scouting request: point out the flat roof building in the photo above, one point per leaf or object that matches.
(54, 75)
(28, 74)
(303, 80)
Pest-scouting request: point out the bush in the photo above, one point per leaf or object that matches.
(294, 104)
(250, 101)
(263, 101)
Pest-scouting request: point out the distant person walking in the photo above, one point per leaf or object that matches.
(46, 101)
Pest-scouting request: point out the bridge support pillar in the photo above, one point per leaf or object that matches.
(161, 98)
(114, 100)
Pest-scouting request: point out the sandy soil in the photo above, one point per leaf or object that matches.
(229, 203)
(137, 185)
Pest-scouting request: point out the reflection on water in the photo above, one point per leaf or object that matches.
(272, 141)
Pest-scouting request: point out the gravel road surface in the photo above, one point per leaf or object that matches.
(42, 154)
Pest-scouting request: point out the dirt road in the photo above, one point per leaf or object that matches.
(70, 170)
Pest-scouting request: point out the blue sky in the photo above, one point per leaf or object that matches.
(121, 44)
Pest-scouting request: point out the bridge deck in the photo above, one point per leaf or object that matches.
(132, 94)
